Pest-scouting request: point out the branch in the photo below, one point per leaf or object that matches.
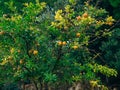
(97, 55)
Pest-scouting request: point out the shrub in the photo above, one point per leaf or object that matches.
(52, 53)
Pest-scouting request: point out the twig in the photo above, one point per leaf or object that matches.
(98, 54)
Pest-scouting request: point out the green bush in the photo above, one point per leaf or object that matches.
(54, 52)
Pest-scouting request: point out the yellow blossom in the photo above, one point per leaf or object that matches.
(53, 24)
(100, 22)
(109, 19)
(12, 18)
(43, 4)
(12, 50)
(19, 17)
(58, 15)
(67, 8)
(26, 4)
(4, 62)
(59, 11)
(31, 28)
(93, 83)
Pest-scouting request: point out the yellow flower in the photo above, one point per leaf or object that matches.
(43, 4)
(53, 24)
(67, 8)
(12, 18)
(93, 83)
(109, 19)
(4, 61)
(19, 17)
(12, 50)
(100, 22)
(31, 28)
(59, 12)
(26, 4)
(58, 15)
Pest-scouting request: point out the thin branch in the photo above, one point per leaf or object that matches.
(118, 22)
(98, 54)
(97, 3)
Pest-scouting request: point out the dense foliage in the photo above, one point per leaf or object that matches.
(53, 49)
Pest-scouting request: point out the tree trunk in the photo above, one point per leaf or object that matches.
(35, 85)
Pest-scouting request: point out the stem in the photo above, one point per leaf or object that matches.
(35, 84)
(41, 86)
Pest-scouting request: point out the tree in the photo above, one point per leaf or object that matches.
(52, 54)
